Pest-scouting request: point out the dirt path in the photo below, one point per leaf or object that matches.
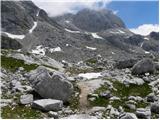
(87, 87)
(84, 104)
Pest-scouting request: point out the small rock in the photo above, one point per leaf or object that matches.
(114, 98)
(92, 99)
(131, 106)
(120, 109)
(155, 108)
(147, 74)
(20, 68)
(114, 112)
(143, 113)
(107, 94)
(128, 116)
(80, 116)
(97, 109)
(48, 104)
(151, 97)
(26, 99)
(53, 114)
(93, 95)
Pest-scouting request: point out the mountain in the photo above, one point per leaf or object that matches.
(81, 36)
(94, 20)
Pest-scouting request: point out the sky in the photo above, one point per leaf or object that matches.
(140, 16)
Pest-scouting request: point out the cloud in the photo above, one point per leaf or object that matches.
(145, 29)
(115, 12)
(59, 7)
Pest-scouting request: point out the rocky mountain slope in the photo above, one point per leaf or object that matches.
(72, 66)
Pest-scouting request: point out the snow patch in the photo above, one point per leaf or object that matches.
(120, 31)
(90, 75)
(146, 38)
(57, 49)
(39, 50)
(146, 52)
(91, 48)
(71, 31)
(96, 36)
(34, 26)
(38, 13)
(113, 53)
(117, 32)
(141, 44)
(14, 36)
(67, 21)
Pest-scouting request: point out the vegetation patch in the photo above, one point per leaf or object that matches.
(91, 61)
(74, 100)
(13, 64)
(131, 90)
(20, 112)
(123, 92)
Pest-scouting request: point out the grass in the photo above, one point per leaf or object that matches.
(13, 64)
(91, 61)
(19, 112)
(131, 90)
(123, 92)
(76, 70)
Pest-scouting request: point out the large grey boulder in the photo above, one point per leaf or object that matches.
(143, 66)
(48, 104)
(51, 84)
(128, 63)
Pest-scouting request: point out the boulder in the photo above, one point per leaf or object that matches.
(155, 108)
(49, 84)
(125, 63)
(143, 113)
(26, 99)
(143, 66)
(48, 104)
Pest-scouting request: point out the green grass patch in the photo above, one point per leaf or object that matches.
(91, 61)
(123, 92)
(13, 64)
(20, 112)
(99, 102)
(131, 90)
(74, 100)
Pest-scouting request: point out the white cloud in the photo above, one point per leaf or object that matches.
(115, 12)
(59, 7)
(145, 29)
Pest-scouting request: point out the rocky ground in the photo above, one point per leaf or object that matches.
(35, 86)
